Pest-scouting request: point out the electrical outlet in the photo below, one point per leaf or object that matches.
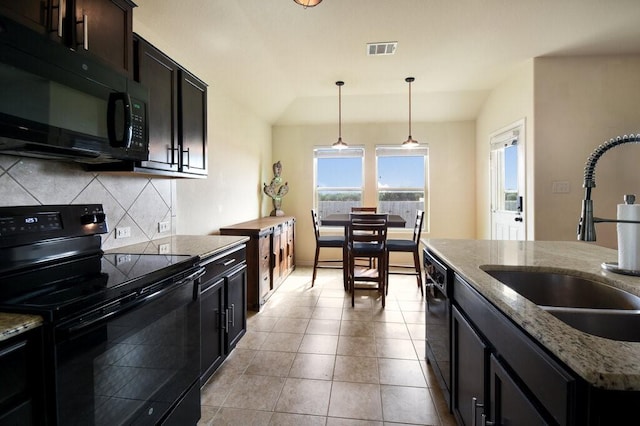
(561, 187)
(164, 226)
(164, 248)
(123, 232)
(123, 258)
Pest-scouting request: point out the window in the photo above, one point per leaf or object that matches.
(339, 179)
(402, 181)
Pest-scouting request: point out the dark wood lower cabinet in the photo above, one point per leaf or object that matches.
(509, 404)
(469, 370)
(21, 386)
(223, 303)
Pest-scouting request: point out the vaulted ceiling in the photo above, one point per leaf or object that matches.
(282, 61)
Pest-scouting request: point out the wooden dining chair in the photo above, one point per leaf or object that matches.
(361, 209)
(325, 241)
(407, 246)
(367, 238)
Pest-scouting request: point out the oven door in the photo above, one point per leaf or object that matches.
(133, 365)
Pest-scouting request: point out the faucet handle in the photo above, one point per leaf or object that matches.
(629, 198)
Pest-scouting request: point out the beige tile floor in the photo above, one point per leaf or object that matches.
(309, 358)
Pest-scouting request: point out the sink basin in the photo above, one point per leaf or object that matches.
(621, 325)
(562, 289)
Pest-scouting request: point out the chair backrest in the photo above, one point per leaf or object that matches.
(316, 223)
(364, 209)
(368, 228)
(417, 227)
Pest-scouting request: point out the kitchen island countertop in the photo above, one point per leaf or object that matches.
(601, 362)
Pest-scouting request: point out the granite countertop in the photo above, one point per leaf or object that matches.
(14, 324)
(601, 362)
(203, 246)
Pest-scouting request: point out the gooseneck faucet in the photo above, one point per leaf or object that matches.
(586, 226)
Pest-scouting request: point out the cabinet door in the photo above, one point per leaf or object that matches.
(509, 405)
(276, 254)
(193, 124)
(469, 366)
(212, 321)
(159, 74)
(236, 306)
(291, 246)
(103, 28)
(21, 386)
(36, 14)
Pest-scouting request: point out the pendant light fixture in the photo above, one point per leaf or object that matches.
(410, 142)
(339, 144)
(308, 3)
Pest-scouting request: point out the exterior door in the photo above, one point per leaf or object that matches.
(508, 183)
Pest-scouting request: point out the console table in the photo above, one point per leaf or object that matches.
(270, 255)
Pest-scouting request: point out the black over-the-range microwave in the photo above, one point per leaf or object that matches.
(56, 103)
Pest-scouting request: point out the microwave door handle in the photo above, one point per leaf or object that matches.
(127, 131)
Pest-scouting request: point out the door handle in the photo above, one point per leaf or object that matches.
(518, 219)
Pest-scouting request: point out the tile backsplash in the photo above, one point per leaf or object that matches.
(138, 202)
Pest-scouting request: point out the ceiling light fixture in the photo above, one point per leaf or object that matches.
(308, 3)
(410, 142)
(339, 144)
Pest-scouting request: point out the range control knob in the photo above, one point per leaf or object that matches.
(90, 218)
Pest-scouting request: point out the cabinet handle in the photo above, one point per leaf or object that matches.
(226, 321)
(227, 262)
(485, 422)
(188, 158)
(233, 315)
(85, 31)
(60, 7)
(474, 406)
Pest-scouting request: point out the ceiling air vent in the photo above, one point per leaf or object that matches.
(386, 48)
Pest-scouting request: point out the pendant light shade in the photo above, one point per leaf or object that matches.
(339, 144)
(308, 3)
(410, 142)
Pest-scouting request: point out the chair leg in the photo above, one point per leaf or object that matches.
(382, 275)
(416, 261)
(315, 266)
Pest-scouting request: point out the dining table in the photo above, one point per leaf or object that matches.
(342, 219)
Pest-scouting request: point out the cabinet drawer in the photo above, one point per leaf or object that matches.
(218, 265)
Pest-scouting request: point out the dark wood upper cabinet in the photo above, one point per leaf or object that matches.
(177, 114)
(193, 124)
(102, 29)
(159, 74)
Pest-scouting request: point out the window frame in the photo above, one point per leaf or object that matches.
(398, 151)
(331, 152)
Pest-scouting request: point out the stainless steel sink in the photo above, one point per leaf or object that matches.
(613, 324)
(561, 289)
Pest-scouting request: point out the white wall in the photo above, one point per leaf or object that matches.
(452, 172)
(579, 103)
(512, 100)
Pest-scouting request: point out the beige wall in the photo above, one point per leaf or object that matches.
(511, 101)
(451, 176)
(579, 103)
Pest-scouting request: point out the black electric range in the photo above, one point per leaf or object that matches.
(134, 317)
